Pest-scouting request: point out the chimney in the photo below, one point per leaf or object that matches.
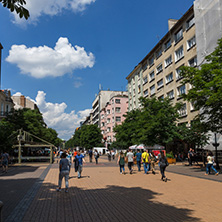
(22, 101)
(171, 23)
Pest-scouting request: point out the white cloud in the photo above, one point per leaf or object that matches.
(38, 8)
(43, 61)
(55, 116)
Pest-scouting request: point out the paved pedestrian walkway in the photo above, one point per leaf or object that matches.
(103, 194)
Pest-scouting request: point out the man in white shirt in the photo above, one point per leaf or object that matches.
(130, 156)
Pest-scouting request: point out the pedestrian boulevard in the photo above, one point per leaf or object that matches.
(103, 194)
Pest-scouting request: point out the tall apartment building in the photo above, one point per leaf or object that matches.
(113, 114)
(158, 74)
(100, 102)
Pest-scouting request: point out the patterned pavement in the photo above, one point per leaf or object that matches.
(103, 194)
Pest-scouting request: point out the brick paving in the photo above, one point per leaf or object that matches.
(102, 194)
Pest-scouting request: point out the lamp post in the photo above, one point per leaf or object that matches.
(216, 144)
(19, 148)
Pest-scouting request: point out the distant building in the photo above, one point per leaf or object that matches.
(88, 120)
(113, 114)
(6, 103)
(100, 102)
(23, 102)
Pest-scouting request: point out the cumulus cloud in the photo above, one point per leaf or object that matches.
(55, 116)
(39, 8)
(43, 61)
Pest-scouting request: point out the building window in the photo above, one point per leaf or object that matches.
(103, 124)
(178, 72)
(144, 67)
(146, 93)
(191, 42)
(178, 35)
(108, 129)
(108, 120)
(118, 119)
(170, 94)
(102, 116)
(117, 109)
(158, 53)
(117, 101)
(169, 78)
(168, 61)
(159, 69)
(179, 54)
(161, 97)
(152, 75)
(181, 90)
(145, 80)
(190, 23)
(113, 119)
(108, 111)
(193, 62)
(151, 61)
(139, 89)
(183, 110)
(160, 84)
(152, 90)
(167, 45)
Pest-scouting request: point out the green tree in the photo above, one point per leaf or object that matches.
(28, 120)
(90, 136)
(154, 123)
(17, 6)
(157, 123)
(206, 91)
(126, 134)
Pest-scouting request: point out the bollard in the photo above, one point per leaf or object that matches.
(1, 205)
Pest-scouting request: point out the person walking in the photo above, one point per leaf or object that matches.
(163, 163)
(138, 160)
(63, 171)
(96, 155)
(5, 160)
(121, 162)
(190, 156)
(145, 161)
(210, 164)
(152, 162)
(80, 158)
(130, 156)
(90, 155)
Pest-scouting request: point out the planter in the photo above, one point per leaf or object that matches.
(171, 160)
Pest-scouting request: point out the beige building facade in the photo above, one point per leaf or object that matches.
(158, 74)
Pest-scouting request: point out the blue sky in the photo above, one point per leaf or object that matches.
(67, 48)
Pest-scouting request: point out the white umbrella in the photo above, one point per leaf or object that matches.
(133, 147)
(141, 146)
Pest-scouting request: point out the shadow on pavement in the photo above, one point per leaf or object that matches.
(113, 203)
(14, 170)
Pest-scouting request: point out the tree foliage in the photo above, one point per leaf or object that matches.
(154, 123)
(88, 136)
(206, 91)
(28, 120)
(17, 6)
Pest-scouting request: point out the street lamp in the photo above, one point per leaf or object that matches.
(216, 144)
